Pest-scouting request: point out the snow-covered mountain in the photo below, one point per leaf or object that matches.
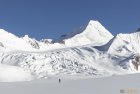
(10, 42)
(94, 33)
(92, 51)
(123, 44)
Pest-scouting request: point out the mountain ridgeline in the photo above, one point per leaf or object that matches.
(90, 51)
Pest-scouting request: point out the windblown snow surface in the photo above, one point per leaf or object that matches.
(91, 52)
(127, 84)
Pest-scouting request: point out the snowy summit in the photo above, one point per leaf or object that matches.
(94, 33)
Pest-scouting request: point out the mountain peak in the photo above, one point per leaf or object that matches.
(96, 25)
(94, 33)
(92, 25)
(4, 33)
(94, 22)
(2, 30)
(6, 36)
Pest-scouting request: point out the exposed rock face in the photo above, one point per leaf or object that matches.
(47, 41)
(136, 61)
(32, 42)
(138, 29)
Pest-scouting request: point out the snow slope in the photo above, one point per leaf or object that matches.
(13, 73)
(128, 84)
(85, 60)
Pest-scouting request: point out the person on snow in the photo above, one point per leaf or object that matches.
(59, 80)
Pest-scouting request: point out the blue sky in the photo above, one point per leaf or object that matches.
(51, 18)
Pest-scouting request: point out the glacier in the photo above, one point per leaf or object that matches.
(93, 52)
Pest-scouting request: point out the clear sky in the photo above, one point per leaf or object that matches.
(51, 18)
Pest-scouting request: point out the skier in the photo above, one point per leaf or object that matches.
(59, 80)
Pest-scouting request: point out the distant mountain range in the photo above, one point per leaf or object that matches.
(91, 51)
